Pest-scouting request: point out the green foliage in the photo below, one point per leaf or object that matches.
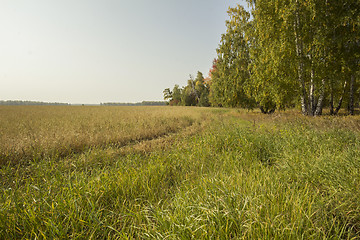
(176, 96)
(290, 53)
(304, 50)
(195, 93)
(231, 73)
(167, 94)
(272, 66)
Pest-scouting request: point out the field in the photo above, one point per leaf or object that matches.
(38, 132)
(177, 173)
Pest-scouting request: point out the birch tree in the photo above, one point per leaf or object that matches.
(311, 42)
(232, 74)
(272, 59)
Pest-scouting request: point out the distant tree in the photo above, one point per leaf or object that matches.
(143, 103)
(202, 91)
(167, 94)
(174, 97)
(32, 103)
(195, 93)
(189, 95)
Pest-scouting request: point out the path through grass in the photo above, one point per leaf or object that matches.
(273, 178)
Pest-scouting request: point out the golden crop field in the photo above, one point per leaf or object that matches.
(28, 132)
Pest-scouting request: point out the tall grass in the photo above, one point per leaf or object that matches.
(33, 132)
(268, 179)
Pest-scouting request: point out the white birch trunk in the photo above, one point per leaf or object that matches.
(319, 105)
(299, 53)
(312, 92)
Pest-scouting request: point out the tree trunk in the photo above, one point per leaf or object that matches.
(351, 100)
(299, 53)
(312, 92)
(331, 99)
(319, 105)
(340, 100)
(262, 110)
(266, 110)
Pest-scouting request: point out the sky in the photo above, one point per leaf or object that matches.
(97, 51)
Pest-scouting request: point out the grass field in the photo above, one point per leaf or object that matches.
(177, 173)
(29, 133)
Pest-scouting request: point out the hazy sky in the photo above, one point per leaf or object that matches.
(92, 51)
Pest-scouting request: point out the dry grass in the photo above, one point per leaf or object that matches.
(33, 132)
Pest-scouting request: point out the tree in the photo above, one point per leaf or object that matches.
(301, 53)
(167, 94)
(231, 75)
(202, 91)
(272, 66)
(195, 93)
(306, 49)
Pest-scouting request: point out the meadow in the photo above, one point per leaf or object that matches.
(177, 173)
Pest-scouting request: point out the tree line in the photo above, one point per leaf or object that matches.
(143, 103)
(31, 103)
(284, 54)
